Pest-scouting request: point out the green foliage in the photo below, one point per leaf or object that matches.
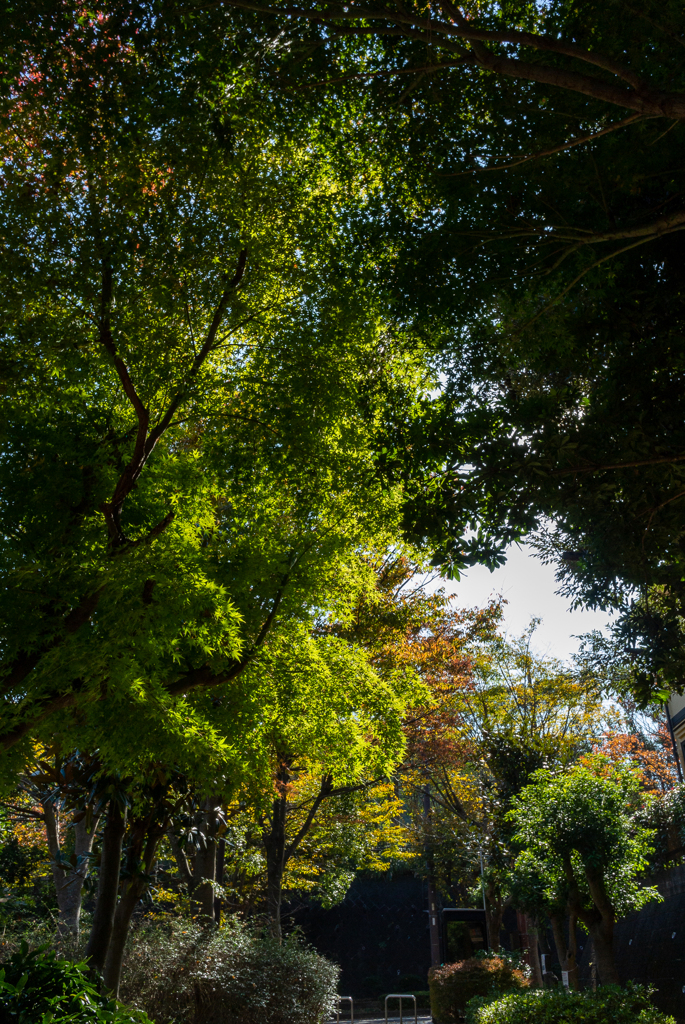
(17, 861)
(196, 370)
(182, 973)
(665, 817)
(37, 988)
(453, 985)
(609, 1003)
(545, 230)
(579, 842)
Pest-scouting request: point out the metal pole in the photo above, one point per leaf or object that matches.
(482, 889)
(433, 926)
(675, 745)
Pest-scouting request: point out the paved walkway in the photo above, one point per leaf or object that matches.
(407, 1018)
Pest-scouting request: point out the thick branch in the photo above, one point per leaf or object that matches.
(12, 737)
(145, 442)
(20, 668)
(640, 96)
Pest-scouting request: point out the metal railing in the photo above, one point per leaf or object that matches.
(349, 1000)
(400, 996)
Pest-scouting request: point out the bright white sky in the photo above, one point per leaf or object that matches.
(529, 587)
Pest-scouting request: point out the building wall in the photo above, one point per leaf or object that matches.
(378, 934)
(650, 945)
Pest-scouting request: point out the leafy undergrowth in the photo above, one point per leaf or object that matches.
(37, 988)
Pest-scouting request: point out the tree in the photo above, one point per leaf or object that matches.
(541, 145)
(329, 833)
(578, 826)
(325, 714)
(188, 359)
(512, 714)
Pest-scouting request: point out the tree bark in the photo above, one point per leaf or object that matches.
(274, 845)
(68, 881)
(181, 861)
(220, 857)
(602, 934)
(494, 912)
(204, 873)
(120, 927)
(534, 953)
(566, 949)
(128, 902)
(602, 929)
(108, 886)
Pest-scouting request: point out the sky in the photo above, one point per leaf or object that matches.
(530, 588)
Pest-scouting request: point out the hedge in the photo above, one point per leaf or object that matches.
(453, 985)
(188, 974)
(609, 1003)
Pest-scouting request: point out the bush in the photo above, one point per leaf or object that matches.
(36, 987)
(610, 1003)
(188, 974)
(453, 985)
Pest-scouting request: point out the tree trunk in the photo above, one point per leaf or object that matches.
(494, 912)
(70, 908)
(204, 873)
(68, 880)
(108, 886)
(181, 861)
(534, 953)
(274, 845)
(602, 934)
(602, 928)
(120, 927)
(566, 949)
(220, 857)
(128, 902)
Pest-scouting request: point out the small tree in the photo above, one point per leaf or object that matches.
(579, 825)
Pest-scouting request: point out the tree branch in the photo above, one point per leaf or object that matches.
(23, 665)
(145, 442)
(640, 96)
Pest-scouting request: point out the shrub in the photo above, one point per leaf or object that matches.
(453, 985)
(188, 974)
(36, 987)
(610, 1003)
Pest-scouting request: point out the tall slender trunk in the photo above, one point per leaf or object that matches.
(220, 858)
(533, 952)
(68, 880)
(133, 890)
(181, 859)
(433, 923)
(274, 845)
(108, 887)
(494, 913)
(204, 873)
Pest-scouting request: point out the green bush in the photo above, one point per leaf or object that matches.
(453, 985)
(188, 974)
(37, 988)
(609, 1004)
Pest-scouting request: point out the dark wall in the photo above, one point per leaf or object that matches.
(650, 945)
(378, 935)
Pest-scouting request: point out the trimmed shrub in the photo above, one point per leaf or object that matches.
(36, 987)
(453, 985)
(188, 974)
(610, 1003)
